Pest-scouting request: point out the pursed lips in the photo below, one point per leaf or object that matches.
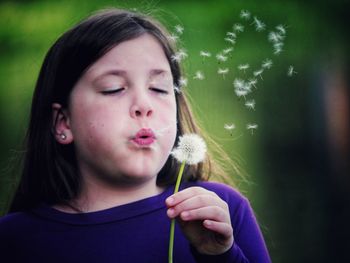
(144, 137)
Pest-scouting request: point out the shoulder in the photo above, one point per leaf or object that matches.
(15, 223)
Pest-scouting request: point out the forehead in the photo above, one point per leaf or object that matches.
(144, 53)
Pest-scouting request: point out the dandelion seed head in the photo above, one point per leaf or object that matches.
(191, 149)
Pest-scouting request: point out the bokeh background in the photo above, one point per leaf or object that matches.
(297, 161)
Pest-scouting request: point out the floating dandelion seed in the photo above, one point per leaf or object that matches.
(277, 48)
(173, 37)
(176, 57)
(204, 54)
(231, 35)
(238, 27)
(230, 40)
(291, 71)
(199, 75)
(183, 53)
(281, 29)
(227, 50)
(241, 92)
(238, 83)
(221, 57)
(250, 104)
(229, 127)
(245, 14)
(259, 25)
(223, 72)
(179, 56)
(258, 73)
(179, 29)
(252, 82)
(243, 67)
(267, 63)
(275, 37)
(252, 127)
(182, 82)
(177, 89)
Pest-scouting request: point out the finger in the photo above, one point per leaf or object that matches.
(195, 202)
(223, 229)
(214, 213)
(185, 194)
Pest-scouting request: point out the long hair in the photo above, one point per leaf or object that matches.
(49, 172)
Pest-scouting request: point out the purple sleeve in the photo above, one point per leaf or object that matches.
(249, 245)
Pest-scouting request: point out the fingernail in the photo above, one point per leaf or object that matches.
(171, 212)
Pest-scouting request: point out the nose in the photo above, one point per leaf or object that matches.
(141, 107)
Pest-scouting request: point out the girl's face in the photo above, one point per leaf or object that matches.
(122, 113)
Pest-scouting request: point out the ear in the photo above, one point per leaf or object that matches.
(60, 126)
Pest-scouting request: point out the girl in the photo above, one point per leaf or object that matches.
(98, 177)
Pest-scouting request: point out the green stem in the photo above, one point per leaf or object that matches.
(172, 226)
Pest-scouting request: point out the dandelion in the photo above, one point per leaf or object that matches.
(243, 67)
(179, 29)
(205, 54)
(191, 150)
(231, 34)
(291, 71)
(259, 25)
(227, 50)
(223, 72)
(245, 14)
(230, 40)
(258, 73)
(182, 82)
(250, 104)
(221, 57)
(252, 127)
(238, 27)
(281, 29)
(229, 127)
(267, 63)
(199, 75)
(179, 56)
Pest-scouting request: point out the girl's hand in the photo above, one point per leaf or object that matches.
(204, 218)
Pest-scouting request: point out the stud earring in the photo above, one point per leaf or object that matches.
(63, 136)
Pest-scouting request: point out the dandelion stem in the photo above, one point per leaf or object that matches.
(172, 226)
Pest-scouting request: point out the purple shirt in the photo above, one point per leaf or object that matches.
(134, 232)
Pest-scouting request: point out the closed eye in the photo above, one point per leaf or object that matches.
(112, 91)
(160, 91)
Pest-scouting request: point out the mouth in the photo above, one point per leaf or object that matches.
(144, 137)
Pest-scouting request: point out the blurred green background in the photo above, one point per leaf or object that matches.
(297, 160)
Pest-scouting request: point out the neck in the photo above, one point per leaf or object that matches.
(96, 195)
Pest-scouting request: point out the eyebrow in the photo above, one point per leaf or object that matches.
(123, 73)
